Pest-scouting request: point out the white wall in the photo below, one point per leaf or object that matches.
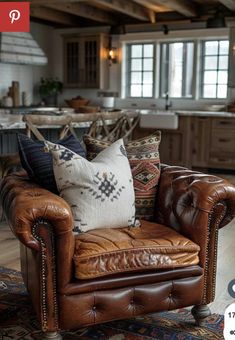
(28, 75)
(21, 73)
(43, 34)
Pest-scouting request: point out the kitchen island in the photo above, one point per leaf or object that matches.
(50, 125)
(202, 139)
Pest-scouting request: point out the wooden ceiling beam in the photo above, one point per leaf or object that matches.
(51, 15)
(129, 8)
(154, 7)
(230, 4)
(184, 7)
(84, 11)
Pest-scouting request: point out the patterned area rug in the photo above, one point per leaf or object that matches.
(17, 320)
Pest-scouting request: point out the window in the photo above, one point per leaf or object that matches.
(177, 66)
(214, 69)
(140, 70)
(154, 69)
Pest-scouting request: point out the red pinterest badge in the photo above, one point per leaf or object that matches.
(14, 16)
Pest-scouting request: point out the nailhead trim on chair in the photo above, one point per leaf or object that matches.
(43, 275)
(206, 261)
(214, 265)
(206, 298)
(217, 223)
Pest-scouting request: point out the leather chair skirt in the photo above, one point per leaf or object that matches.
(106, 305)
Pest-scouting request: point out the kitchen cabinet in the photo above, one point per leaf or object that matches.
(222, 143)
(175, 146)
(200, 142)
(170, 147)
(85, 61)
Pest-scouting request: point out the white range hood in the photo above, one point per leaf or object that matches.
(20, 48)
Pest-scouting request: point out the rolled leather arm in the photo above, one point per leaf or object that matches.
(25, 203)
(187, 199)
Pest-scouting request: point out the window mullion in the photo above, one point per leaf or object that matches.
(128, 71)
(203, 60)
(184, 61)
(142, 71)
(167, 87)
(217, 69)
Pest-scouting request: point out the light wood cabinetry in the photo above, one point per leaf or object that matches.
(175, 146)
(85, 61)
(199, 142)
(222, 143)
(170, 148)
(200, 139)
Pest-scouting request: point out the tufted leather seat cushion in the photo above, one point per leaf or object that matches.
(104, 252)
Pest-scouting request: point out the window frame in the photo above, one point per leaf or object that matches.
(128, 69)
(166, 79)
(197, 36)
(202, 68)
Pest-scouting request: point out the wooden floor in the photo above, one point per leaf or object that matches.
(9, 248)
(10, 257)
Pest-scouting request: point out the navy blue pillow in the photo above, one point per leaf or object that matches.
(38, 163)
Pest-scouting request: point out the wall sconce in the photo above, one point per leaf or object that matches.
(112, 56)
(233, 49)
(112, 53)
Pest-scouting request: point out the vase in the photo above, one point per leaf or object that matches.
(50, 100)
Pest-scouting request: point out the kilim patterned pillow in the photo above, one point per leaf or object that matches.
(143, 155)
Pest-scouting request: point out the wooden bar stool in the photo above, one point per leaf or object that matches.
(34, 121)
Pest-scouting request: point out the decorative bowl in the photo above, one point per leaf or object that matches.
(87, 109)
(76, 103)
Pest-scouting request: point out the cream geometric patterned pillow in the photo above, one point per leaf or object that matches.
(100, 193)
(143, 155)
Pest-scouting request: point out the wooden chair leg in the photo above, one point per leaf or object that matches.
(200, 312)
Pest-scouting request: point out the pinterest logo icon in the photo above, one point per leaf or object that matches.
(14, 16)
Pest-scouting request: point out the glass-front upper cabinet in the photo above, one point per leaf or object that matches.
(84, 63)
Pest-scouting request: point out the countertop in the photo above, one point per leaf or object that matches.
(81, 120)
(205, 113)
(196, 113)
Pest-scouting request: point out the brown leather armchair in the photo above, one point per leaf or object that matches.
(193, 204)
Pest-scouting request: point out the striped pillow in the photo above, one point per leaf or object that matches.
(38, 163)
(143, 155)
